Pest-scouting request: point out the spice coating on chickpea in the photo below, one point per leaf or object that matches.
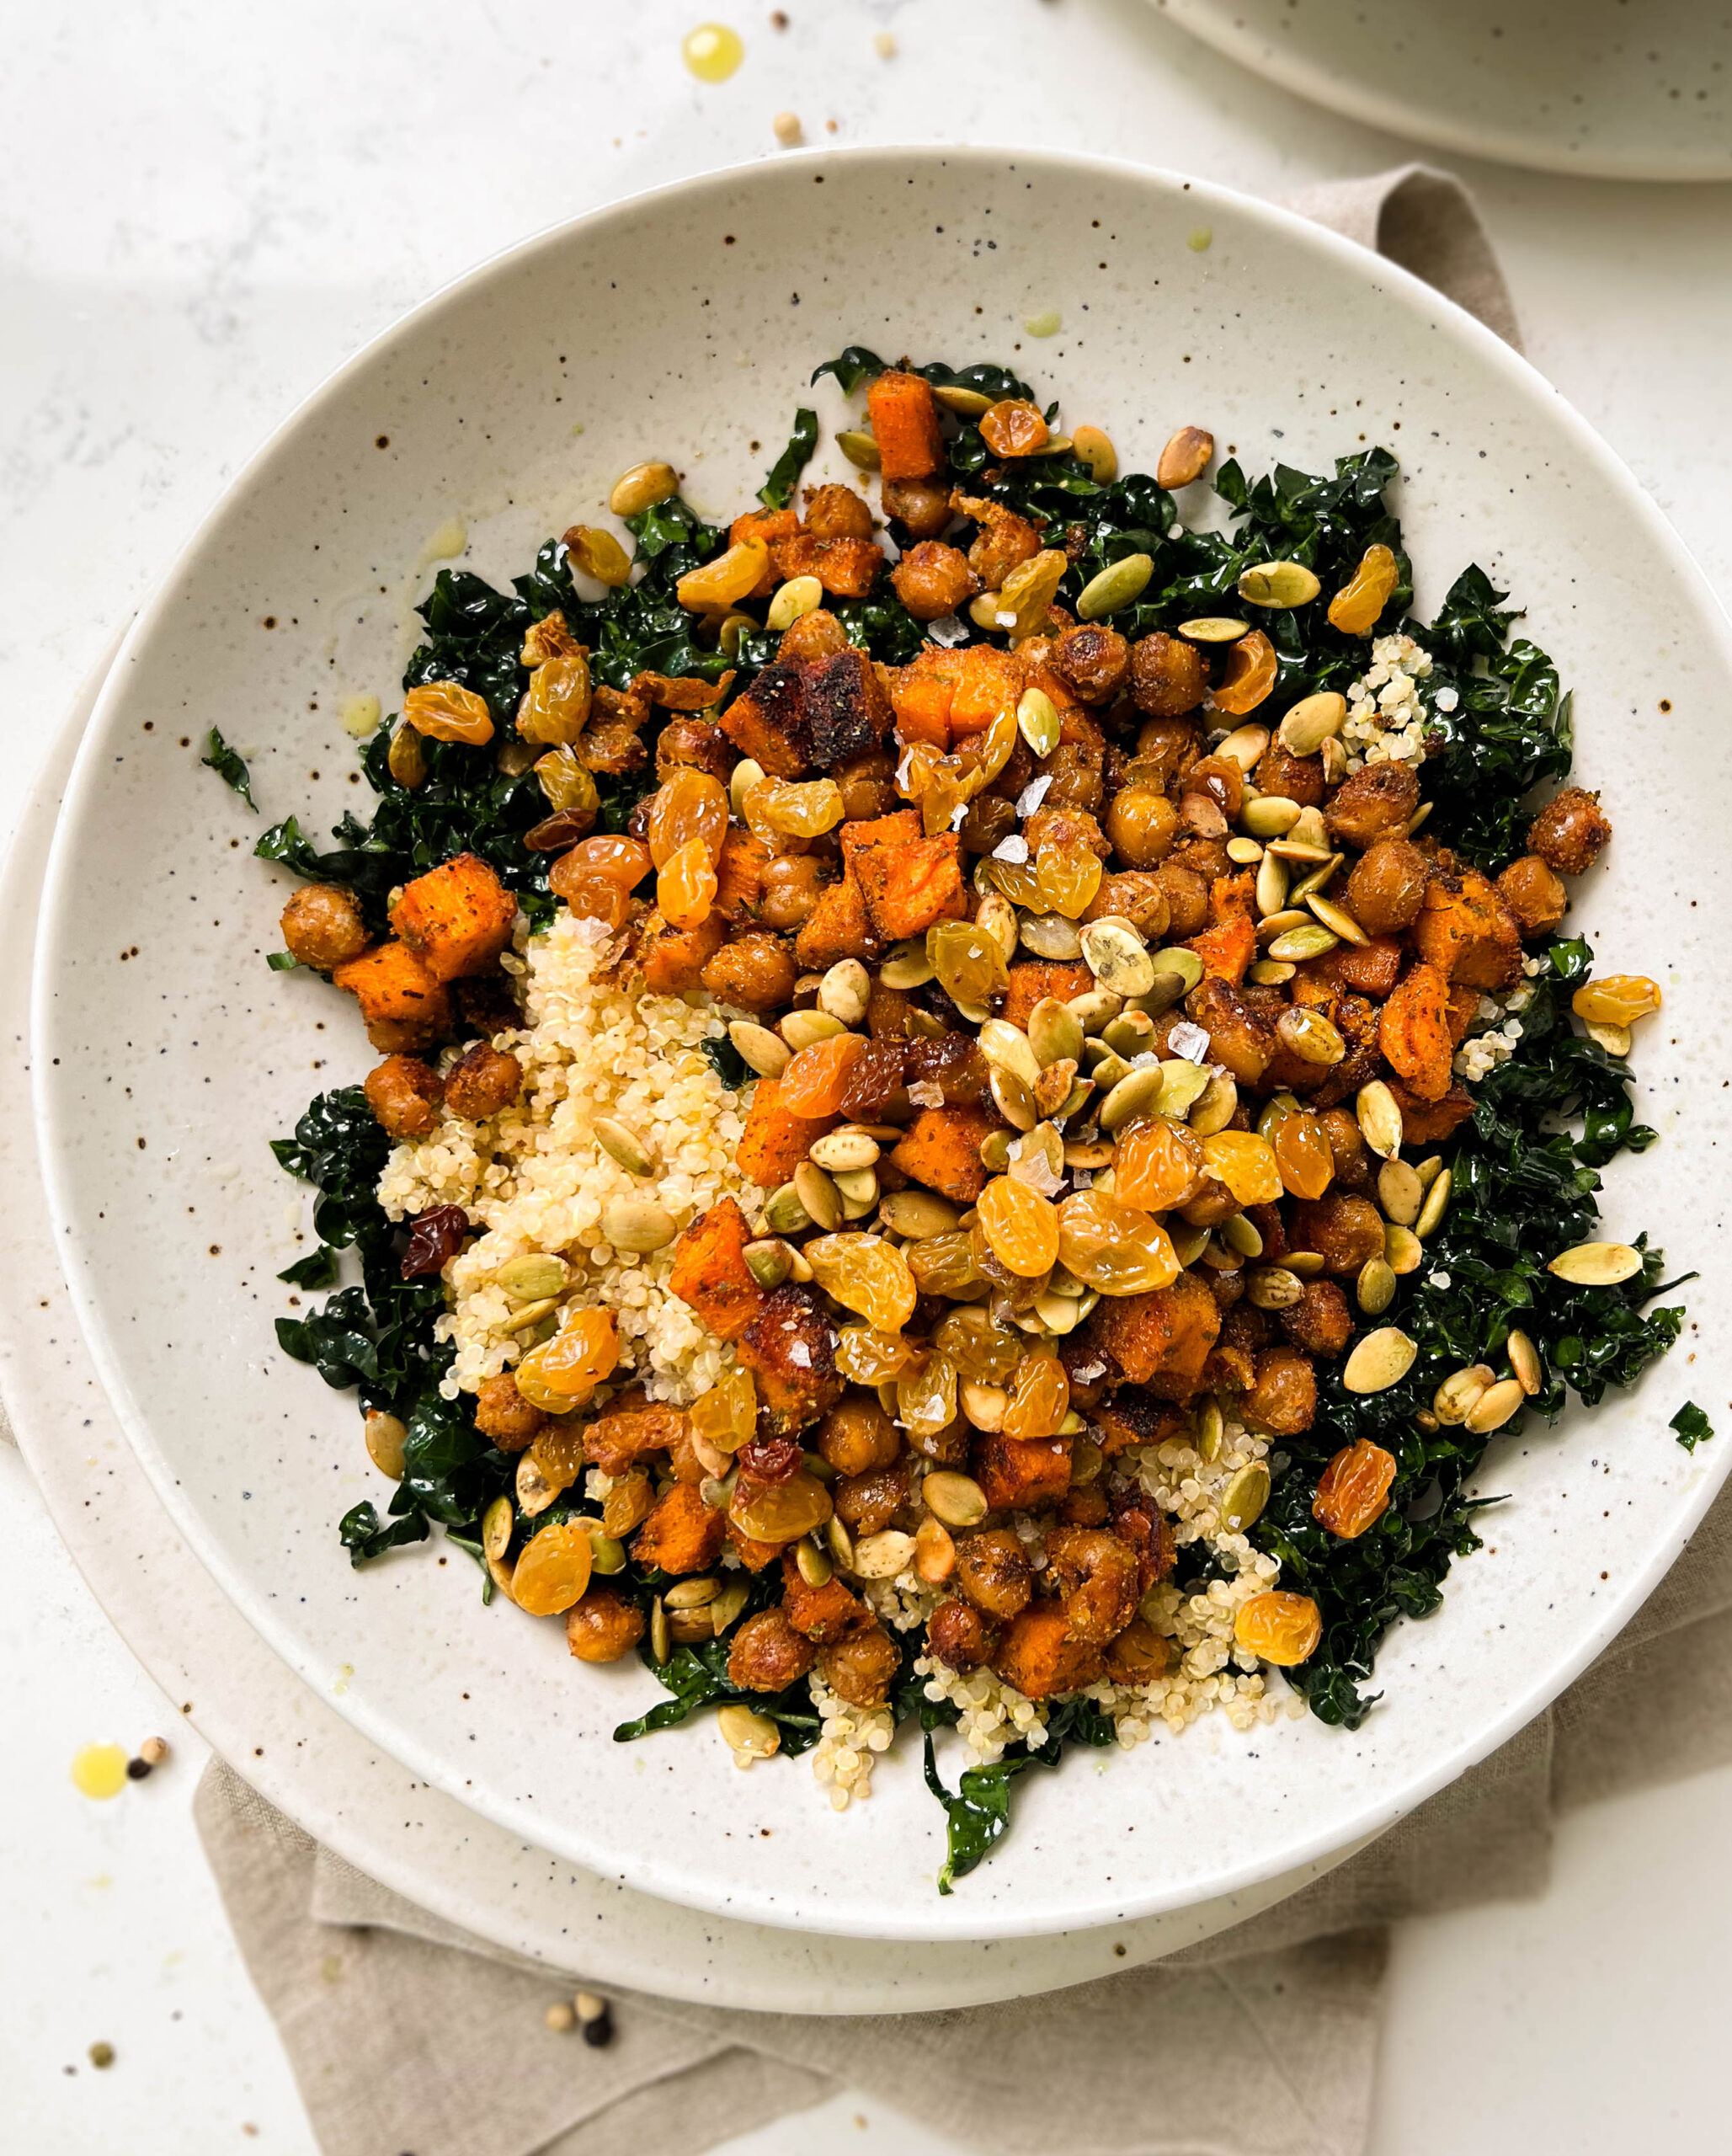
(406, 1095)
(323, 926)
(1570, 833)
(482, 1082)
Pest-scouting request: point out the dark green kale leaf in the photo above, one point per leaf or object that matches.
(318, 1269)
(729, 1066)
(787, 467)
(697, 1676)
(1692, 1426)
(229, 767)
(852, 367)
(978, 1812)
(360, 1533)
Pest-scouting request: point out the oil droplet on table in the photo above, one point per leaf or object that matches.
(712, 51)
(445, 544)
(359, 715)
(1201, 240)
(1046, 324)
(100, 1771)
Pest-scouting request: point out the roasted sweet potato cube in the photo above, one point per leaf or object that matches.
(904, 417)
(682, 1534)
(887, 1012)
(1428, 1122)
(836, 929)
(846, 709)
(823, 1614)
(989, 681)
(1131, 1417)
(1161, 1340)
(775, 1143)
(875, 1081)
(768, 722)
(1038, 1656)
(1467, 932)
(1460, 1009)
(1228, 947)
(790, 1347)
(673, 959)
(457, 918)
(942, 1149)
(711, 1275)
(753, 1555)
(920, 694)
(404, 1005)
(1031, 979)
(739, 873)
(907, 880)
(1414, 1032)
(1019, 1474)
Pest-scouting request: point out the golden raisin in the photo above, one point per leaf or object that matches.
(588, 896)
(865, 1274)
(1068, 877)
(1355, 608)
(816, 1078)
(685, 888)
(968, 961)
(1013, 427)
(554, 1569)
(1158, 1164)
(557, 1450)
(724, 582)
(1249, 677)
(1114, 1246)
(1040, 1397)
(607, 859)
(1353, 1492)
(726, 1415)
(1616, 999)
(779, 1512)
(1303, 1156)
(564, 1371)
(982, 1350)
(944, 1265)
(1021, 1226)
(554, 711)
(865, 1356)
(774, 809)
(1278, 1627)
(690, 805)
(1246, 1164)
(927, 1396)
(445, 710)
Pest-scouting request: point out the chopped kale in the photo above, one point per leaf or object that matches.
(978, 1812)
(1692, 1426)
(786, 471)
(220, 758)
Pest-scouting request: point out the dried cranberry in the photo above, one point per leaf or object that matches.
(563, 828)
(769, 1459)
(435, 1238)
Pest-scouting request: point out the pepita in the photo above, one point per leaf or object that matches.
(844, 991)
(642, 488)
(1278, 584)
(621, 1143)
(800, 595)
(728, 1606)
(1007, 1048)
(1215, 1105)
(1616, 1040)
(534, 1492)
(1175, 959)
(770, 1263)
(1317, 878)
(661, 1644)
(1243, 746)
(1188, 1243)
(748, 770)
(997, 915)
(691, 1594)
(917, 1214)
(958, 1500)
(1271, 885)
(1337, 918)
(1399, 1192)
(529, 1317)
(1270, 973)
(860, 1191)
(607, 1553)
(1130, 1034)
(1117, 956)
(836, 1534)
(995, 1151)
(1274, 1287)
(1310, 1036)
(1307, 1264)
(1211, 1430)
(1524, 1362)
(759, 1049)
(1037, 719)
(1437, 1205)
(1182, 1084)
(1244, 852)
(1213, 629)
(1494, 1407)
(1402, 1249)
(1055, 1032)
(1050, 936)
(1094, 1007)
(635, 1224)
(385, 1435)
(882, 1556)
(1269, 815)
(532, 1279)
(1116, 585)
(1137, 1093)
(1241, 1501)
(785, 1213)
(1299, 944)
(839, 1152)
(1375, 1288)
(1241, 1235)
(1379, 1115)
(1013, 1098)
(747, 1734)
(804, 1028)
(815, 1567)
(859, 448)
(984, 1406)
(966, 403)
(1379, 1359)
(1311, 721)
(1097, 451)
(906, 965)
(1595, 1265)
(819, 1196)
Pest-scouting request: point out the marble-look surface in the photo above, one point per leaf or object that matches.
(204, 209)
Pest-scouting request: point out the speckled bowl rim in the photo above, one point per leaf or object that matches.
(1479, 347)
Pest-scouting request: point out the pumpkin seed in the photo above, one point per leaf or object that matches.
(1116, 585)
(1274, 1287)
(995, 1151)
(748, 770)
(1400, 1194)
(534, 1492)
(607, 1553)
(530, 1315)
(906, 965)
(1037, 718)
(1593, 1265)
(385, 1435)
(1097, 451)
(844, 991)
(1094, 1007)
(1173, 958)
(1310, 830)
(748, 1734)
(818, 1195)
(532, 1279)
(661, 1645)
(1379, 1119)
(1188, 1243)
(1319, 876)
(1614, 1039)
(1337, 918)
(1211, 1430)
(1401, 1247)
(1050, 936)
(1241, 1234)
(769, 1262)
(1117, 956)
(759, 1049)
(1430, 1169)
(958, 1500)
(860, 1191)
(1270, 973)
(1307, 1264)
(917, 1213)
(691, 1594)
(1241, 1502)
(1215, 1105)
(496, 1525)
(1054, 445)
(1311, 721)
(1458, 1393)
(1494, 1407)
(1299, 944)
(1334, 759)
(1278, 924)
(997, 915)
(983, 610)
(859, 449)
(1524, 1361)
(785, 1211)
(800, 595)
(1055, 1032)
(1137, 1093)
(1271, 885)
(1180, 1085)
(836, 1534)
(1278, 584)
(1269, 815)
(406, 758)
(882, 1556)
(1130, 1034)
(969, 404)
(621, 1143)
(1375, 1287)
(1379, 1359)
(984, 1406)
(1007, 1047)
(1437, 1205)
(1213, 629)
(1310, 1035)
(728, 1606)
(1013, 1097)
(803, 1028)
(840, 1151)
(642, 488)
(634, 1224)
(1245, 853)
(1243, 746)
(815, 1564)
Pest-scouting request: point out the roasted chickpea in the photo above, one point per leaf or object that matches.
(992, 1571)
(768, 1654)
(990, 817)
(835, 512)
(791, 886)
(1343, 1229)
(857, 1436)
(1534, 894)
(1137, 896)
(481, 1082)
(503, 1414)
(1141, 826)
(868, 784)
(689, 741)
(1283, 1401)
(1094, 663)
(1072, 830)
(405, 1096)
(1076, 769)
(323, 926)
(921, 506)
(1321, 1322)
(1347, 1148)
(865, 1503)
(1295, 778)
(1187, 900)
(862, 1667)
(1570, 832)
(602, 1625)
(959, 1637)
(932, 580)
(1388, 886)
(755, 972)
(1138, 1655)
(1166, 748)
(1169, 676)
(814, 635)
(1372, 804)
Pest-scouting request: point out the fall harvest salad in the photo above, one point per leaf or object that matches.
(986, 1099)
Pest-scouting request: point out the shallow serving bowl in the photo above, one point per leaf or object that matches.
(683, 325)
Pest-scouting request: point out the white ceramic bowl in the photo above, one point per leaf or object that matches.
(685, 325)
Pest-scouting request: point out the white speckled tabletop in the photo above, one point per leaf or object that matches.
(202, 210)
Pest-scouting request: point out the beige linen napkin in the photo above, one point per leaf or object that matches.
(409, 2038)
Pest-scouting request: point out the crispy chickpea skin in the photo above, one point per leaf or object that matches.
(1372, 804)
(792, 885)
(756, 972)
(1343, 1229)
(857, 1436)
(603, 1625)
(865, 1503)
(768, 1654)
(1570, 832)
(814, 635)
(959, 1637)
(1534, 894)
(932, 580)
(993, 1572)
(1320, 1323)
(837, 513)
(1004, 540)
(503, 1414)
(405, 1096)
(1388, 886)
(481, 1082)
(1168, 677)
(1096, 1575)
(1166, 748)
(323, 926)
(921, 506)
(689, 741)
(1094, 663)
(862, 1667)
